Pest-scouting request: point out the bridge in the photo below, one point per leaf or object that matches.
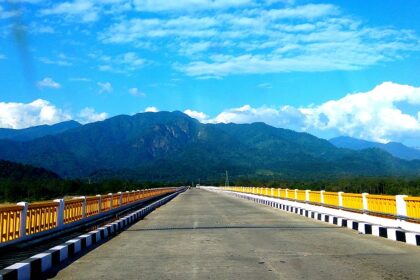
(235, 233)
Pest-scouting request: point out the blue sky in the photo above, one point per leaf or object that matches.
(329, 68)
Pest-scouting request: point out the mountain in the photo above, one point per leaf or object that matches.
(171, 146)
(31, 133)
(396, 149)
(17, 171)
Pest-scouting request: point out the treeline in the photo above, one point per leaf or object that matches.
(21, 182)
(12, 190)
(382, 185)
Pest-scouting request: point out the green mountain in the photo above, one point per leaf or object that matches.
(31, 133)
(172, 146)
(17, 171)
(396, 149)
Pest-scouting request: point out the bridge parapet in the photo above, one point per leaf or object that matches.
(29, 220)
(399, 206)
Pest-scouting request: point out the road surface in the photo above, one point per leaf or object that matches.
(205, 235)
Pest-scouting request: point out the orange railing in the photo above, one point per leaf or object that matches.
(73, 210)
(92, 205)
(106, 202)
(41, 216)
(10, 222)
(44, 216)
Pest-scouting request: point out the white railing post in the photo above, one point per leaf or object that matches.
(99, 202)
(272, 192)
(83, 207)
(60, 212)
(111, 197)
(286, 191)
(296, 194)
(22, 218)
(307, 195)
(120, 193)
(322, 196)
(365, 202)
(401, 206)
(340, 199)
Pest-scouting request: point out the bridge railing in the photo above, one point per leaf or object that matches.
(21, 221)
(400, 206)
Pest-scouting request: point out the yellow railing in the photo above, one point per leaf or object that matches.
(282, 193)
(92, 206)
(374, 204)
(73, 210)
(352, 201)
(413, 206)
(301, 195)
(315, 197)
(382, 204)
(43, 216)
(106, 203)
(331, 198)
(291, 194)
(10, 222)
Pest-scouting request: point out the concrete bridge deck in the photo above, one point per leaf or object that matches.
(205, 235)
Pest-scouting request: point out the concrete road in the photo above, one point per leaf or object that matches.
(203, 235)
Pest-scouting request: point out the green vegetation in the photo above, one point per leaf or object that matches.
(20, 182)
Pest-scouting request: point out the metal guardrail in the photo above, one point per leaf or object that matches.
(18, 222)
(401, 206)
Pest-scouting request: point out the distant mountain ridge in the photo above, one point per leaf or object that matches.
(17, 171)
(30, 133)
(171, 146)
(396, 149)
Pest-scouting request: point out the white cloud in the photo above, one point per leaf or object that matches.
(265, 85)
(5, 14)
(122, 63)
(39, 112)
(259, 38)
(22, 115)
(80, 79)
(375, 115)
(187, 5)
(197, 115)
(151, 109)
(84, 10)
(105, 87)
(48, 82)
(88, 115)
(60, 60)
(286, 116)
(136, 92)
